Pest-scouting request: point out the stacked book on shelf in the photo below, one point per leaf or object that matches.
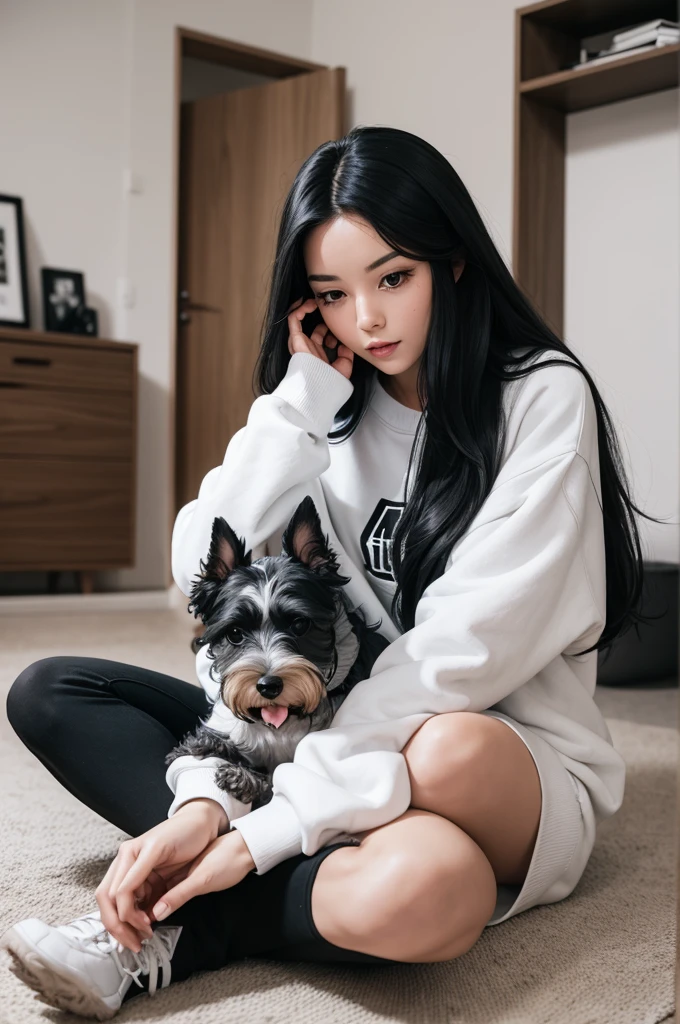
(648, 36)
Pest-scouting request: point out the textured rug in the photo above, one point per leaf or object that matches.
(604, 955)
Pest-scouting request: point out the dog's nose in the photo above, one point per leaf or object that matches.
(269, 686)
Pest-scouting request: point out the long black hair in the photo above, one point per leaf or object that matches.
(416, 202)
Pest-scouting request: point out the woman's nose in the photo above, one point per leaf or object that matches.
(369, 319)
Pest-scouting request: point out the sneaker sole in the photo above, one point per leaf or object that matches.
(54, 985)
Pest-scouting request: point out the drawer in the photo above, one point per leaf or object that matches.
(65, 514)
(64, 366)
(84, 424)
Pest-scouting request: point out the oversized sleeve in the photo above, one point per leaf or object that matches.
(524, 585)
(266, 466)
(266, 472)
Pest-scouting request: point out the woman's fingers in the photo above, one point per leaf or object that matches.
(118, 867)
(122, 889)
(202, 876)
(297, 316)
(137, 874)
(293, 326)
(319, 340)
(220, 866)
(121, 931)
(159, 879)
(297, 340)
(299, 304)
(344, 361)
(320, 333)
(155, 889)
(295, 321)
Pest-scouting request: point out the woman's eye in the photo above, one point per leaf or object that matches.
(326, 301)
(300, 626)
(234, 635)
(391, 288)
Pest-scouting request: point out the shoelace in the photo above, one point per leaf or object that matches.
(155, 952)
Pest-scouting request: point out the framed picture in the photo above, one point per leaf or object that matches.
(13, 284)
(63, 299)
(88, 322)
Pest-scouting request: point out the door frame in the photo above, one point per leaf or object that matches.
(241, 57)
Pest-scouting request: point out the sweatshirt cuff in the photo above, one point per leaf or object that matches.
(271, 833)
(199, 781)
(315, 389)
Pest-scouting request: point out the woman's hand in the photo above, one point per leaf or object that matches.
(320, 337)
(223, 863)
(147, 866)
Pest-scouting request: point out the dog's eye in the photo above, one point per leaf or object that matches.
(234, 635)
(300, 626)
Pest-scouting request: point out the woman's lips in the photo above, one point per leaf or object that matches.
(383, 350)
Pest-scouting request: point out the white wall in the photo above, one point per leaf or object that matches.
(63, 140)
(622, 275)
(91, 89)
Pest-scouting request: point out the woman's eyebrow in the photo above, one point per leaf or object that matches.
(367, 270)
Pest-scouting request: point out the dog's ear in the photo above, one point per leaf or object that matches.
(304, 540)
(226, 552)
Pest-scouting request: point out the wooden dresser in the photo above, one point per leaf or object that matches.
(68, 416)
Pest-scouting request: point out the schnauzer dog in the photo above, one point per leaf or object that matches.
(286, 647)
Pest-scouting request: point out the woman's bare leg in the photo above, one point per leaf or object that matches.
(476, 771)
(423, 887)
(417, 889)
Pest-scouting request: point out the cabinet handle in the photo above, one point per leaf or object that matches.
(31, 361)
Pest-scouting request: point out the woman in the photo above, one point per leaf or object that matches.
(473, 487)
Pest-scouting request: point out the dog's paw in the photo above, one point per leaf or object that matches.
(246, 784)
(204, 742)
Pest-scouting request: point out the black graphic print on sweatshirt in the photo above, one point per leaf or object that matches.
(376, 538)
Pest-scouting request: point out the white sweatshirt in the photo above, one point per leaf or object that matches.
(523, 590)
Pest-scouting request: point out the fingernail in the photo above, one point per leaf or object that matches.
(160, 911)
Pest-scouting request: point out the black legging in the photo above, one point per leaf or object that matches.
(103, 730)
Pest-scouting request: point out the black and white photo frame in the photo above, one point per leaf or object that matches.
(63, 293)
(13, 282)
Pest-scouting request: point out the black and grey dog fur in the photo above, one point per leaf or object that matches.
(282, 637)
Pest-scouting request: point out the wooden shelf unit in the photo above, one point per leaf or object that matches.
(547, 39)
(68, 434)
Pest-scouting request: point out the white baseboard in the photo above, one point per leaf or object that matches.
(129, 601)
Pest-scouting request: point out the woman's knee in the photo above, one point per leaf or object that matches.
(30, 700)
(418, 889)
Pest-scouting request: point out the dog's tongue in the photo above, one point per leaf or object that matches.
(274, 714)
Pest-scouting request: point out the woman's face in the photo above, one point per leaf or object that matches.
(360, 302)
(390, 302)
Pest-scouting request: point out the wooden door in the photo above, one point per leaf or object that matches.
(239, 154)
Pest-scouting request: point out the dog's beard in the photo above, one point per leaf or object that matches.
(303, 689)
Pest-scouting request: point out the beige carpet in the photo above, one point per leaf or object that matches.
(605, 955)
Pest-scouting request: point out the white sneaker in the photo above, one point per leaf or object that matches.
(80, 966)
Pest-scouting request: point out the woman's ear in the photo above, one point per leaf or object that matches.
(458, 267)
